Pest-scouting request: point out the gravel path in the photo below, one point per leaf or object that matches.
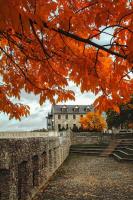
(90, 178)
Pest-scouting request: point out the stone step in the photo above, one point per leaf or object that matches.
(95, 144)
(124, 152)
(108, 151)
(99, 147)
(120, 149)
(128, 148)
(120, 158)
(88, 149)
(86, 152)
(131, 143)
(82, 148)
(127, 139)
(79, 150)
(117, 156)
(124, 145)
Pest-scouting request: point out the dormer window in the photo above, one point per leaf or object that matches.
(64, 109)
(87, 109)
(76, 109)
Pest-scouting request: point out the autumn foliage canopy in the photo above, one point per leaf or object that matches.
(93, 121)
(46, 43)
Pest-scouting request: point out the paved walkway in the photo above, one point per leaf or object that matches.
(91, 178)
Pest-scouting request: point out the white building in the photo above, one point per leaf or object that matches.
(66, 116)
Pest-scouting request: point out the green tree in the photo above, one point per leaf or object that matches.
(123, 118)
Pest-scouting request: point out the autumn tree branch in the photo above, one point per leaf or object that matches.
(88, 41)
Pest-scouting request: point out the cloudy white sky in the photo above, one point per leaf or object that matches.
(37, 118)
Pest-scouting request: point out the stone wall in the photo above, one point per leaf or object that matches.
(9, 135)
(26, 164)
(89, 138)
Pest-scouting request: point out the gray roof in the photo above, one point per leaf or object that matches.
(82, 109)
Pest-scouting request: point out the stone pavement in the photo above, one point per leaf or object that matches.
(90, 178)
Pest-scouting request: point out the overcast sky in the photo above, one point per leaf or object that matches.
(37, 118)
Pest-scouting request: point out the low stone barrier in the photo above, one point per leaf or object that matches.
(27, 163)
(89, 138)
(28, 134)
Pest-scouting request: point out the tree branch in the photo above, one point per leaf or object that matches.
(23, 73)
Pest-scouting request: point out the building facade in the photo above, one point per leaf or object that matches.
(66, 116)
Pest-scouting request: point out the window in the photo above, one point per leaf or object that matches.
(66, 116)
(74, 116)
(59, 116)
(76, 109)
(64, 109)
(59, 126)
(66, 126)
(87, 109)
